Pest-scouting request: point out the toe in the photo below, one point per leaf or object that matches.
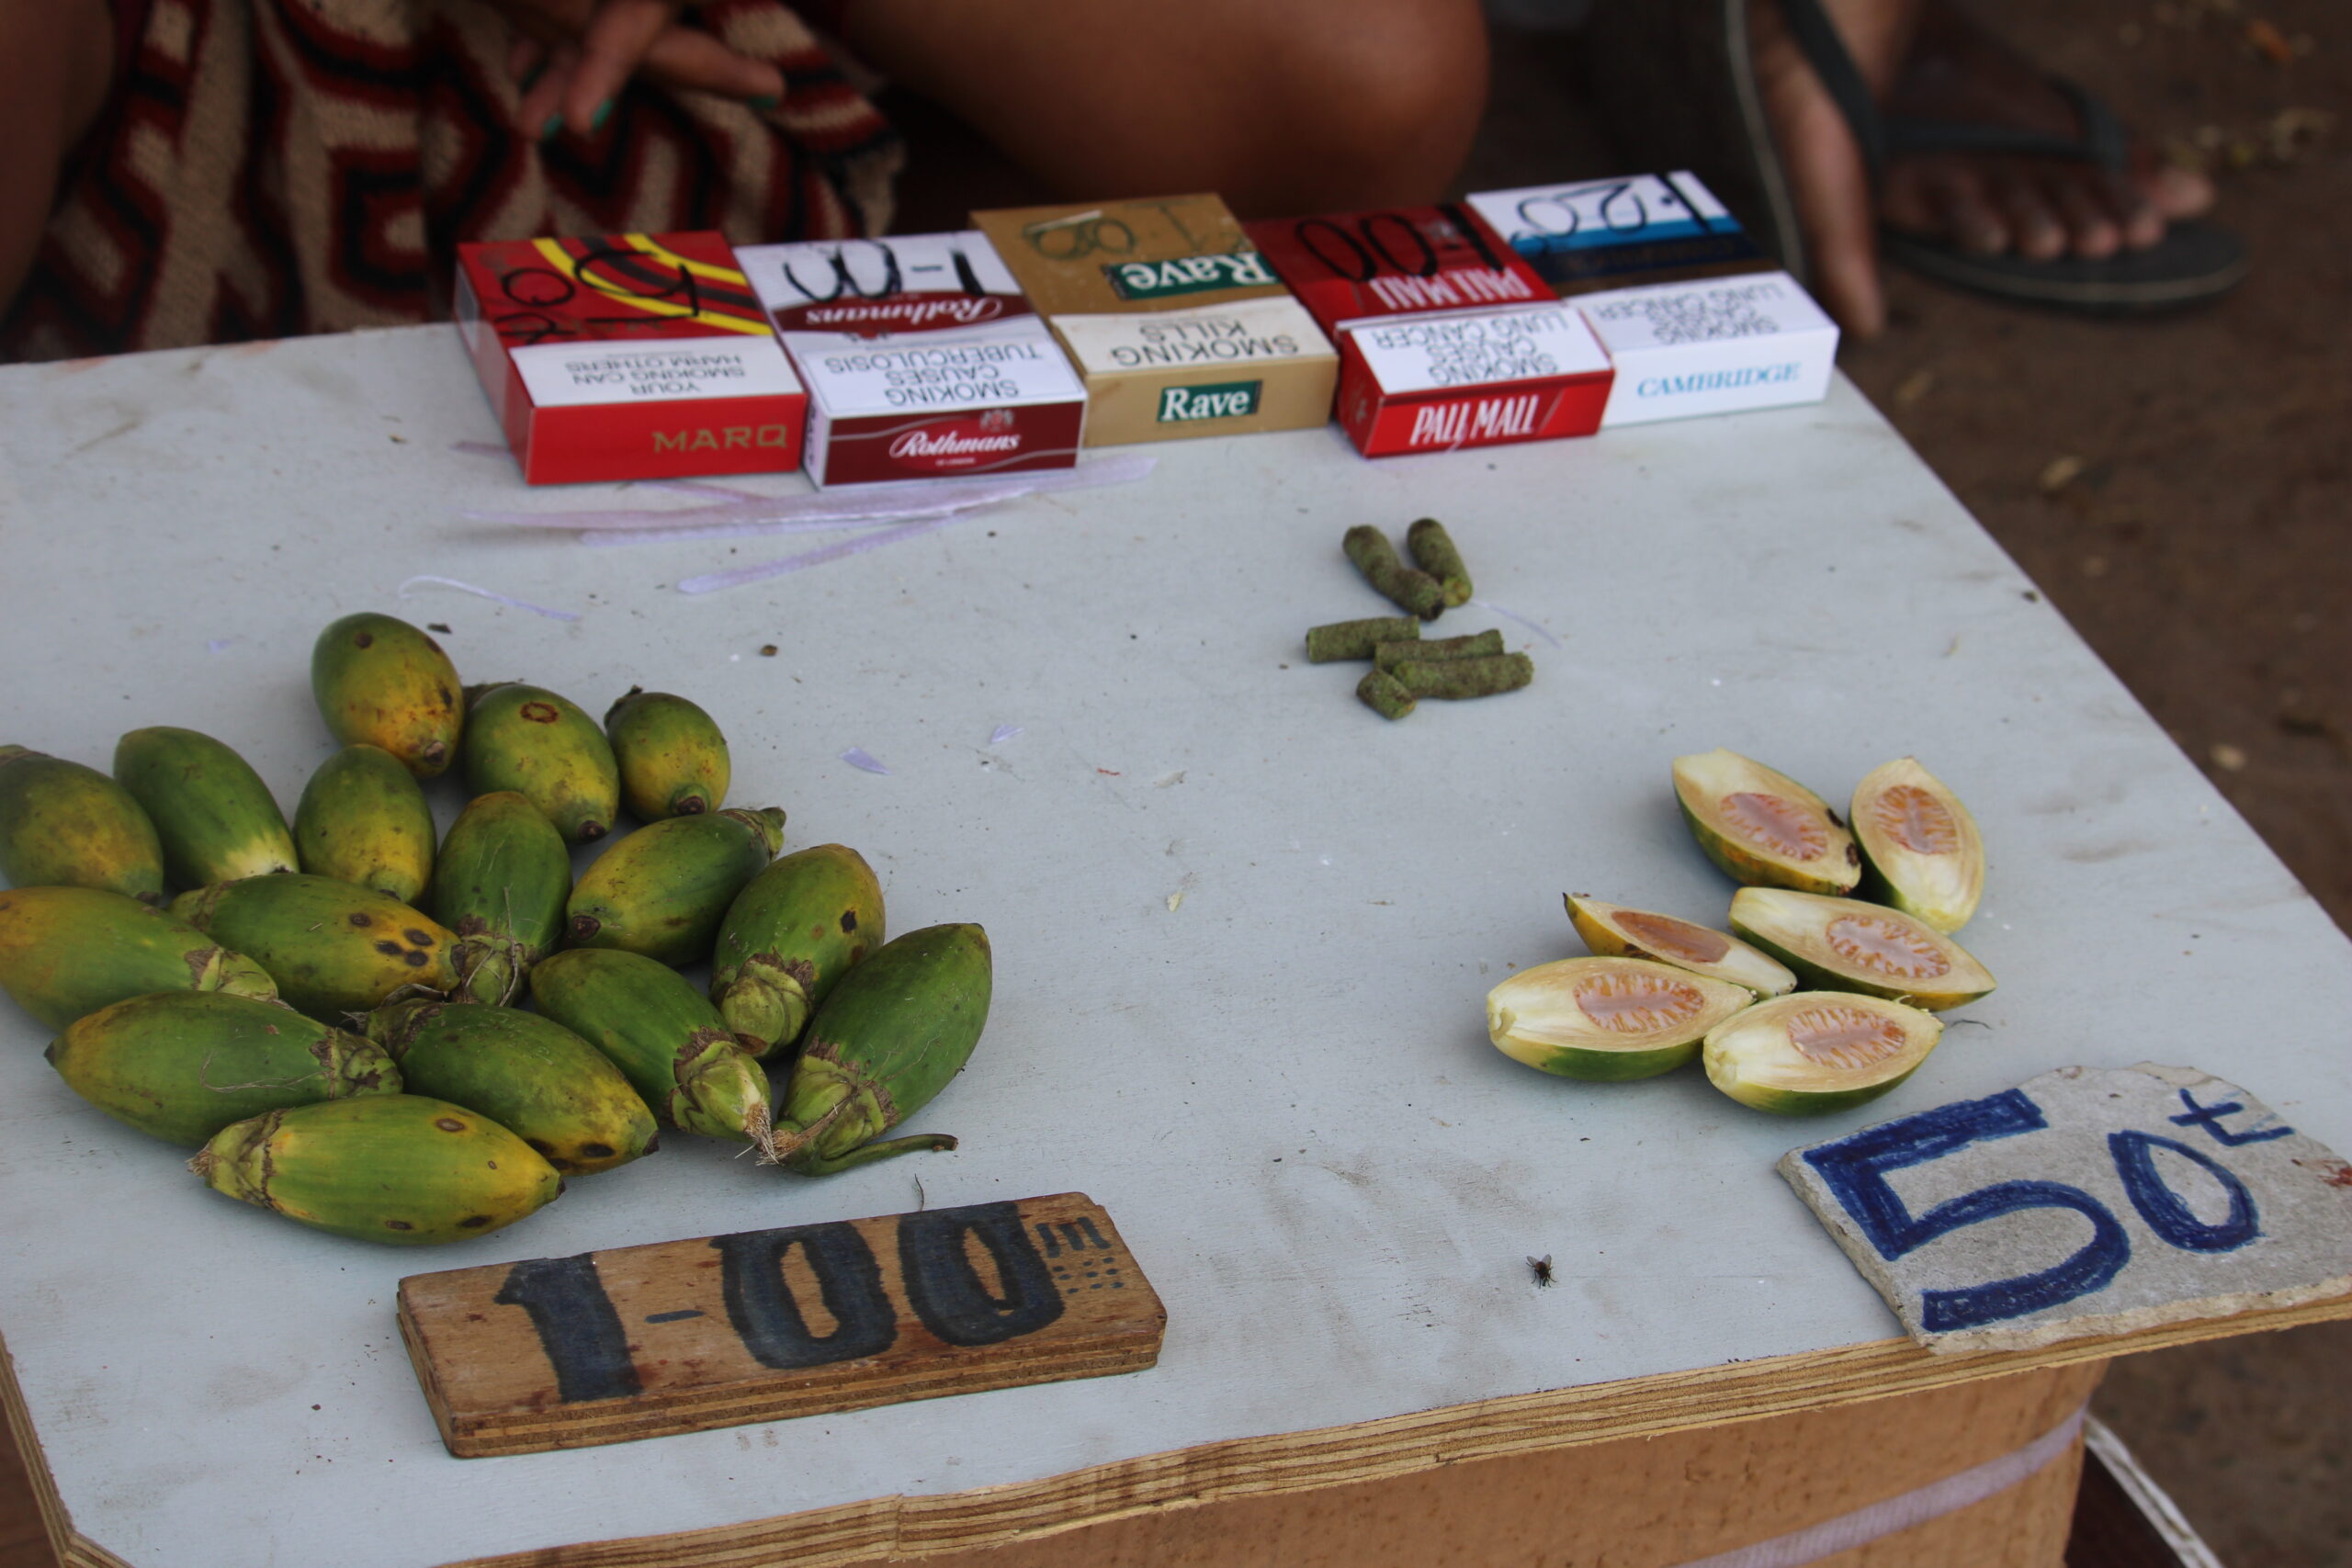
(2040, 236)
(2091, 229)
(2178, 193)
(1952, 203)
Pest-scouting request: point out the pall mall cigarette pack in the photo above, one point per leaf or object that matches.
(1176, 323)
(1697, 318)
(921, 356)
(1446, 337)
(627, 356)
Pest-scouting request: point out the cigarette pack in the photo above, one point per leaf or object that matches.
(1697, 319)
(627, 356)
(921, 356)
(1177, 324)
(1447, 338)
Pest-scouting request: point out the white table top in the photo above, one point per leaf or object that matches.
(1281, 1089)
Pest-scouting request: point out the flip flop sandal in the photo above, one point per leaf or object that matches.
(1648, 54)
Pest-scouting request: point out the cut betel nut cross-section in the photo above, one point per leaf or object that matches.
(1614, 930)
(1607, 1019)
(1764, 828)
(1844, 945)
(1819, 1051)
(1921, 851)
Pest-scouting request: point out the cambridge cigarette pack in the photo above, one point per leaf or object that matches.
(1173, 318)
(1447, 338)
(921, 356)
(627, 356)
(1695, 317)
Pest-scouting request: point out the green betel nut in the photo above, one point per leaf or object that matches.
(1381, 691)
(381, 681)
(362, 820)
(182, 1064)
(672, 758)
(532, 740)
(1400, 584)
(1455, 679)
(892, 1035)
(1358, 639)
(500, 883)
(331, 948)
(67, 952)
(789, 937)
(528, 1073)
(670, 1042)
(1433, 552)
(1482, 645)
(402, 1169)
(63, 825)
(215, 818)
(663, 890)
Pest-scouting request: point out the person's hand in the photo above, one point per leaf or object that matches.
(575, 56)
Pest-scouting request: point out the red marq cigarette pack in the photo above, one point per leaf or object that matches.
(1447, 338)
(628, 356)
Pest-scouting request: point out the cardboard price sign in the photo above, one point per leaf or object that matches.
(760, 1326)
(2083, 1202)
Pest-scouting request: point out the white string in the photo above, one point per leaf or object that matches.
(1917, 1507)
(402, 593)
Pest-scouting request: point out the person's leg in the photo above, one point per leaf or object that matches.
(56, 67)
(1284, 107)
(1923, 59)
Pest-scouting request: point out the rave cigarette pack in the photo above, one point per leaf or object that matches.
(921, 356)
(1447, 338)
(1696, 318)
(1176, 323)
(627, 356)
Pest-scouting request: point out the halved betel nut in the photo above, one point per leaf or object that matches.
(1819, 1051)
(1764, 828)
(1921, 851)
(1844, 945)
(1614, 930)
(1607, 1019)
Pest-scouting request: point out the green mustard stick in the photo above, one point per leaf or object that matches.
(1434, 553)
(1484, 645)
(1382, 695)
(1357, 639)
(1406, 588)
(1456, 678)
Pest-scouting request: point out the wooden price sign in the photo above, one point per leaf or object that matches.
(684, 1336)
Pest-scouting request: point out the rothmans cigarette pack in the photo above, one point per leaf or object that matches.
(921, 356)
(1447, 338)
(1696, 318)
(627, 356)
(1177, 324)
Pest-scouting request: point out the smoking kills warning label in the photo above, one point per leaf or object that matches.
(1250, 332)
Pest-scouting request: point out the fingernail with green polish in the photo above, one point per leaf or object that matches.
(603, 112)
(762, 104)
(554, 124)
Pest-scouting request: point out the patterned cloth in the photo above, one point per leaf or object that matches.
(272, 167)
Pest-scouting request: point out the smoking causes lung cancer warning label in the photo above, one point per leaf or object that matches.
(760, 1326)
(566, 375)
(1423, 354)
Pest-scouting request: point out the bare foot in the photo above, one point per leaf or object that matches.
(1942, 67)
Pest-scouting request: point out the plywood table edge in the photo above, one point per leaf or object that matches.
(72, 1549)
(914, 1527)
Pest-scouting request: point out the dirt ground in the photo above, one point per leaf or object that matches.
(2178, 489)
